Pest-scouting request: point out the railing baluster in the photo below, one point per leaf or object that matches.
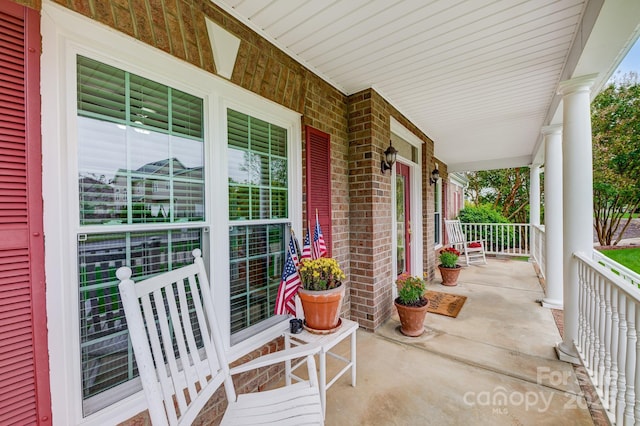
(590, 325)
(615, 348)
(630, 395)
(622, 354)
(608, 324)
(601, 329)
(582, 323)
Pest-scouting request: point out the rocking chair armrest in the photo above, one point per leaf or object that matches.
(276, 357)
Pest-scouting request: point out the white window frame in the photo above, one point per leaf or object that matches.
(437, 209)
(415, 170)
(66, 34)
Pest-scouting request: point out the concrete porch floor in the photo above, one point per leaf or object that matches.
(494, 364)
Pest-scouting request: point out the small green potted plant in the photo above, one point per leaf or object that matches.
(449, 268)
(411, 304)
(321, 293)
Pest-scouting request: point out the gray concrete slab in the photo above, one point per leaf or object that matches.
(492, 365)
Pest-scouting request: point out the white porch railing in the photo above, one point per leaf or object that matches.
(539, 251)
(510, 239)
(608, 319)
(622, 271)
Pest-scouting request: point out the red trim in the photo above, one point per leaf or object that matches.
(320, 196)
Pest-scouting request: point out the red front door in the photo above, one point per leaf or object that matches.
(403, 218)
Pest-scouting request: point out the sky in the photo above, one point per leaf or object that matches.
(631, 62)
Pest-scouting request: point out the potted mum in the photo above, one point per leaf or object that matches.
(449, 268)
(411, 304)
(321, 293)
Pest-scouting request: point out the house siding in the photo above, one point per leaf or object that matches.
(360, 130)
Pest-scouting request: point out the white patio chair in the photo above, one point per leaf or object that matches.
(181, 358)
(458, 239)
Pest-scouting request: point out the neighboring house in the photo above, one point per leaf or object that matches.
(455, 194)
(195, 153)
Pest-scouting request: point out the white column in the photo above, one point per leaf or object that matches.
(534, 203)
(577, 195)
(553, 215)
(534, 195)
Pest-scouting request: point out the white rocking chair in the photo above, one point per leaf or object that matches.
(458, 239)
(182, 362)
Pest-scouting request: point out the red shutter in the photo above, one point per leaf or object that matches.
(24, 368)
(319, 181)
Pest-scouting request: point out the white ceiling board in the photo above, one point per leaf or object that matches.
(479, 77)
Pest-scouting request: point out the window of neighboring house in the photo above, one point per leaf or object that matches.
(437, 212)
(259, 215)
(135, 136)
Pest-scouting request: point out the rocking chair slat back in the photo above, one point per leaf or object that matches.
(457, 239)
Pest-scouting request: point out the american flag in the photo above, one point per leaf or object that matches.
(306, 247)
(319, 247)
(289, 285)
(293, 249)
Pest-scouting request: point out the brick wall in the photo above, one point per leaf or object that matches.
(325, 109)
(370, 198)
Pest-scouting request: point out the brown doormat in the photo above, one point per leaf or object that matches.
(445, 303)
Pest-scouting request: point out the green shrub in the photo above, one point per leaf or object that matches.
(481, 214)
(499, 238)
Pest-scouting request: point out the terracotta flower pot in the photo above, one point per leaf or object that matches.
(322, 308)
(449, 275)
(412, 318)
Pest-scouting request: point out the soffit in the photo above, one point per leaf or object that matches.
(478, 77)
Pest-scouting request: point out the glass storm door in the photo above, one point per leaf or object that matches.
(403, 218)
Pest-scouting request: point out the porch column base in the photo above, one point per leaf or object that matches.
(567, 355)
(552, 303)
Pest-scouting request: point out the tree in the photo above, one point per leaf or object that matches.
(506, 190)
(615, 121)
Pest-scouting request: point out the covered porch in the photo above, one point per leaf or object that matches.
(493, 364)
(456, 87)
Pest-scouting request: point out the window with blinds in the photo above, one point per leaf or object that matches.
(140, 151)
(140, 162)
(258, 197)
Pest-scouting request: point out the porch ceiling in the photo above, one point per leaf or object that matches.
(479, 77)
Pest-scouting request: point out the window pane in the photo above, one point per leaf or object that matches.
(238, 129)
(101, 90)
(238, 202)
(149, 152)
(187, 114)
(149, 103)
(257, 254)
(279, 204)
(256, 161)
(278, 141)
(279, 172)
(259, 135)
(107, 358)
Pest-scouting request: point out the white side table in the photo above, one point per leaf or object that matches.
(327, 341)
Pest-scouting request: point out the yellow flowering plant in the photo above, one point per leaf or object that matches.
(320, 274)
